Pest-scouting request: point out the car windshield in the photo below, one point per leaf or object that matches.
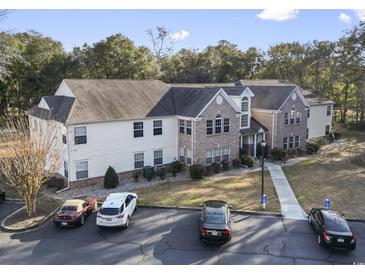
(69, 208)
(336, 225)
(109, 211)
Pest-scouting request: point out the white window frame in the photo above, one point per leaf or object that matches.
(189, 157)
(76, 135)
(291, 141)
(329, 108)
(297, 142)
(181, 126)
(285, 143)
(78, 170)
(157, 127)
(286, 118)
(298, 115)
(182, 155)
(156, 158)
(135, 160)
(138, 129)
(226, 125)
(209, 155)
(219, 154)
(329, 130)
(188, 127)
(248, 117)
(218, 124)
(210, 127)
(65, 169)
(226, 152)
(244, 101)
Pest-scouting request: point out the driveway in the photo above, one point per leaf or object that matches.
(170, 237)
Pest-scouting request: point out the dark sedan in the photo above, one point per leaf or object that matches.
(331, 228)
(215, 222)
(2, 196)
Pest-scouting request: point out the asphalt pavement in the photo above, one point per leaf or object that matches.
(157, 236)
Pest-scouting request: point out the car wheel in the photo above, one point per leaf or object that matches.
(320, 240)
(82, 220)
(126, 223)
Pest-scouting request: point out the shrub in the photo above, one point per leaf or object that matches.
(337, 135)
(225, 165)
(236, 163)
(217, 167)
(111, 179)
(292, 153)
(278, 154)
(149, 172)
(300, 152)
(56, 182)
(161, 172)
(197, 172)
(136, 175)
(247, 160)
(175, 167)
(312, 147)
(208, 170)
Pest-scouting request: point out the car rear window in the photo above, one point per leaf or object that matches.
(336, 225)
(69, 208)
(109, 211)
(215, 219)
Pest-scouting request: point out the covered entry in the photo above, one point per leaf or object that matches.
(252, 136)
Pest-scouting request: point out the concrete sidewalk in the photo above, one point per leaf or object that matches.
(290, 208)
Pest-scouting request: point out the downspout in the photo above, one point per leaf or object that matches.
(192, 141)
(273, 128)
(68, 165)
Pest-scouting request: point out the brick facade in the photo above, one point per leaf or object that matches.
(204, 142)
(280, 130)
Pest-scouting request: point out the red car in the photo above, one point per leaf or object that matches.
(74, 212)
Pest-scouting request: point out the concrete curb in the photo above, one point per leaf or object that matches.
(245, 212)
(38, 224)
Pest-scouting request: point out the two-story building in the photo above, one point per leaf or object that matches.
(129, 124)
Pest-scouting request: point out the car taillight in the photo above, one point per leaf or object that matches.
(326, 236)
(119, 216)
(353, 239)
(227, 232)
(202, 231)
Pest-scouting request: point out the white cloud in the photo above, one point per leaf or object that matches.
(180, 35)
(345, 18)
(360, 14)
(278, 15)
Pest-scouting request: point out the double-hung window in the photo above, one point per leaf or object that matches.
(309, 112)
(188, 127)
(65, 168)
(209, 157)
(327, 132)
(244, 104)
(285, 143)
(157, 127)
(226, 125)
(158, 157)
(307, 133)
(297, 141)
(181, 126)
(217, 155)
(218, 124)
(138, 160)
(286, 118)
(244, 120)
(82, 170)
(329, 110)
(189, 156)
(80, 135)
(138, 129)
(291, 142)
(64, 139)
(182, 155)
(298, 117)
(292, 117)
(209, 127)
(226, 153)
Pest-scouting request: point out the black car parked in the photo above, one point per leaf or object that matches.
(331, 228)
(2, 196)
(215, 222)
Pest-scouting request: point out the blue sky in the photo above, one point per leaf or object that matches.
(192, 28)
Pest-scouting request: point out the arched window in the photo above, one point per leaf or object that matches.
(244, 104)
(218, 124)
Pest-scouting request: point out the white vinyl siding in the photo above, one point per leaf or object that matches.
(318, 121)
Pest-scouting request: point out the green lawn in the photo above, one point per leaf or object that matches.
(241, 192)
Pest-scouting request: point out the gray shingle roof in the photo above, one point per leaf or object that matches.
(60, 107)
(315, 100)
(254, 128)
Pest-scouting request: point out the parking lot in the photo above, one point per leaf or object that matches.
(171, 237)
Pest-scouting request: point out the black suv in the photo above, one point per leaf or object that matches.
(331, 228)
(2, 195)
(215, 222)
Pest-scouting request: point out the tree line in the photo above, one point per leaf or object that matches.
(32, 65)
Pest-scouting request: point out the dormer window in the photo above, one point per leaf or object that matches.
(244, 104)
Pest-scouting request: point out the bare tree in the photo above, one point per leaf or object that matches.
(28, 159)
(161, 42)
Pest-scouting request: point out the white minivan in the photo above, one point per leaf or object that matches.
(117, 210)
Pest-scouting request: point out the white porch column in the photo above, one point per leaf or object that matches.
(254, 145)
(241, 141)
